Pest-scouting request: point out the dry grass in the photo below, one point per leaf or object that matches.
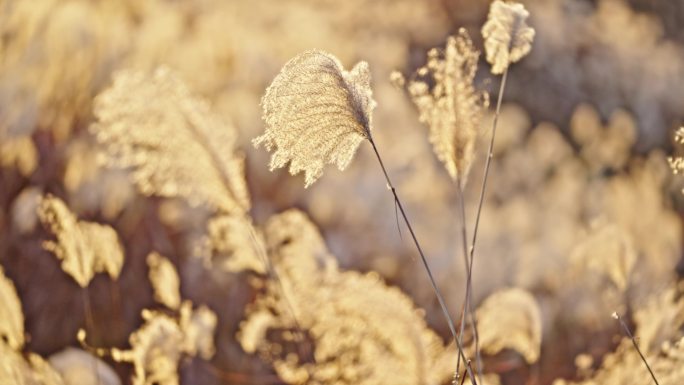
(125, 132)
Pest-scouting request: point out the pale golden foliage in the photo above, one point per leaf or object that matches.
(511, 319)
(85, 248)
(25, 369)
(174, 144)
(453, 108)
(198, 330)
(19, 152)
(253, 331)
(156, 350)
(81, 164)
(316, 113)
(607, 250)
(15, 367)
(659, 334)
(92, 187)
(624, 367)
(677, 163)
(38, 90)
(165, 280)
(177, 147)
(507, 37)
(11, 315)
(660, 319)
(363, 331)
(543, 213)
(157, 347)
(230, 242)
(643, 187)
(603, 146)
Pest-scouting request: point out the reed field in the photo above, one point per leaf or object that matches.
(360, 192)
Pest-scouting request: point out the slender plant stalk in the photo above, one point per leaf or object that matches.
(442, 303)
(636, 346)
(483, 189)
(466, 262)
(468, 302)
(468, 365)
(490, 155)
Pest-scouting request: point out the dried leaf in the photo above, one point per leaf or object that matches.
(507, 37)
(316, 113)
(85, 248)
(511, 319)
(11, 315)
(174, 144)
(165, 281)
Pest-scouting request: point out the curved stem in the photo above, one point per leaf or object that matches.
(468, 300)
(636, 346)
(442, 303)
(483, 189)
(466, 263)
(490, 152)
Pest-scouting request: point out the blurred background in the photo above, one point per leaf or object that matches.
(580, 163)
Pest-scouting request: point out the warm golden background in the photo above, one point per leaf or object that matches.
(582, 210)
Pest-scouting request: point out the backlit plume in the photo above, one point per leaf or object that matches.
(507, 37)
(453, 107)
(316, 113)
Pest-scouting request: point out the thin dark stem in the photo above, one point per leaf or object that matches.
(483, 190)
(468, 365)
(490, 155)
(442, 303)
(464, 241)
(469, 262)
(636, 346)
(468, 300)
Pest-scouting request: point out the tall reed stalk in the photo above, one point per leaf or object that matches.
(440, 298)
(470, 257)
